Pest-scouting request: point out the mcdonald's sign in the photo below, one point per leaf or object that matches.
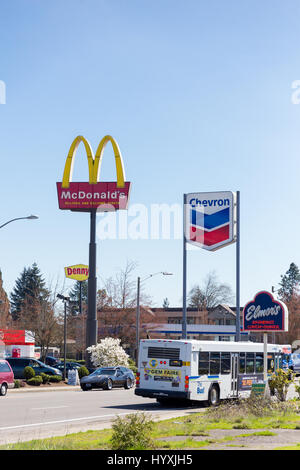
(103, 196)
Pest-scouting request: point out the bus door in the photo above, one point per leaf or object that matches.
(234, 374)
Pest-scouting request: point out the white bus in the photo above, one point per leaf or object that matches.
(206, 371)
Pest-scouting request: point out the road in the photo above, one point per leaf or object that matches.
(26, 415)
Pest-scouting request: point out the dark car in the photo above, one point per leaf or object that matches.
(69, 366)
(18, 365)
(51, 361)
(107, 378)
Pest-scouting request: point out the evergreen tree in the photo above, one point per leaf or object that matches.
(290, 283)
(74, 295)
(29, 288)
(166, 303)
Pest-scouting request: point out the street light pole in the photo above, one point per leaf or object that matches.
(65, 300)
(30, 217)
(164, 273)
(138, 317)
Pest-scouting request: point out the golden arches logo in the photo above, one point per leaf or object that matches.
(94, 162)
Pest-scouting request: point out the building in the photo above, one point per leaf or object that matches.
(16, 343)
(216, 323)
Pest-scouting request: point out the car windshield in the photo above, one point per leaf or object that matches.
(41, 363)
(104, 371)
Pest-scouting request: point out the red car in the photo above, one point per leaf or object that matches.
(6, 377)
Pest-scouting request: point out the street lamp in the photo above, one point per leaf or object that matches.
(30, 217)
(65, 300)
(164, 273)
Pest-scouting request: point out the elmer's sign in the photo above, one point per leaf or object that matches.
(78, 272)
(264, 313)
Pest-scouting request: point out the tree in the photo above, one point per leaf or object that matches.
(74, 295)
(293, 333)
(166, 303)
(30, 286)
(290, 283)
(4, 306)
(211, 294)
(108, 353)
(121, 289)
(35, 308)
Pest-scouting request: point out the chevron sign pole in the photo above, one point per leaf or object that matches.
(211, 222)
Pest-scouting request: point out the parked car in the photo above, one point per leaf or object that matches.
(52, 361)
(6, 377)
(107, 378)
(18, 365)
(69, 366)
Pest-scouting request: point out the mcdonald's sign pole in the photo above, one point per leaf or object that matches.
(91, 326)
(93, 197)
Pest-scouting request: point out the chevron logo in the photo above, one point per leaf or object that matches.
(209, 219)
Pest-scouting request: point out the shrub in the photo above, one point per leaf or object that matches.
(29, 372)
(132, 365)
(37, 380)
(132, 432)
(17, 384)
(55, 378)
(82, 372)
(297, 390)
(45, 377)
(280, 382)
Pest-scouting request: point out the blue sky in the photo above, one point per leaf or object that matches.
(197, 95)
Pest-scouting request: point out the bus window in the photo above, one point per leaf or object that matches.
(259, 362)
(225, 363)
(203, 368)
(271, 363)
(249, 363)
(242, 363)
(214, 363)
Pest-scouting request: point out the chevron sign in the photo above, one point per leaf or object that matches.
(209, 219)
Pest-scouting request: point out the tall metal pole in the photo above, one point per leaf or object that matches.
(238, 331)
(65, 338)
(91, 326)
(138, 319)
(184, 329)
(80, 298)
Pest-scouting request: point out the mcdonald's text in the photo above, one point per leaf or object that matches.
(85, 196)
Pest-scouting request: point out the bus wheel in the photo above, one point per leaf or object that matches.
(163, 401)
(214, 396)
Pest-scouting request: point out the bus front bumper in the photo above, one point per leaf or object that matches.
(152, 393)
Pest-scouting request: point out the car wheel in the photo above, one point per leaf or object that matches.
(85, 388)
(3, 390)
(128, 383)
(109, 384)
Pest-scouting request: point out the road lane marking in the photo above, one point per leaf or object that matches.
(71, 420)
(51, 407)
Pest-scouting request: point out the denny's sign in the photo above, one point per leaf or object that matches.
(86, 196)
(78, 272)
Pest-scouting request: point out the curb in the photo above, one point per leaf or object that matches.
(40, 389)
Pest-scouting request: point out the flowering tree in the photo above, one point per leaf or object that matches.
(108, 353)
